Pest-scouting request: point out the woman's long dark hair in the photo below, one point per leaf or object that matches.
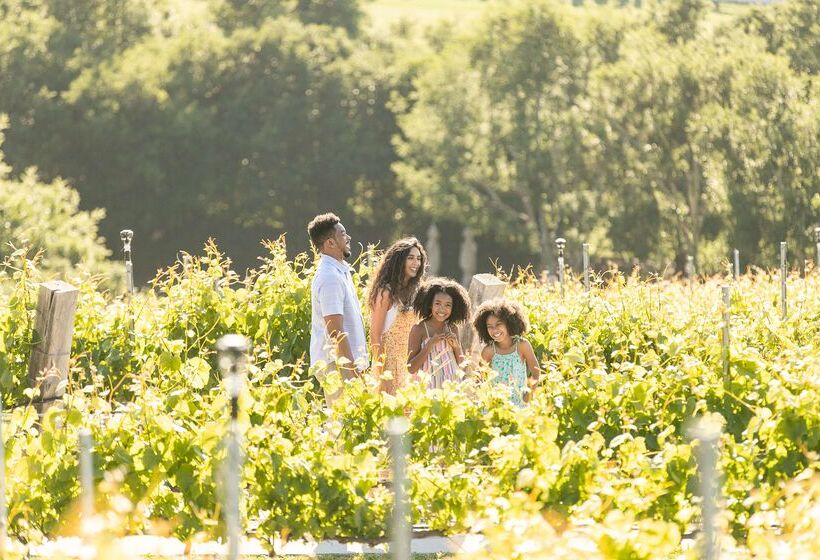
(390, 273)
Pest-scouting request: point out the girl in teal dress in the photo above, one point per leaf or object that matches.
(500, 324)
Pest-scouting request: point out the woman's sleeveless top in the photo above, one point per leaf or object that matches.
(390, 318)
(511, 371)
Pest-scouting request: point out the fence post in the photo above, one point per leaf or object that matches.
(86, 474)
(585, 249)
(53, 332)
(783, 272)
(817, 249)
(707, 432)
(400, 524)
(560, 243)
(4, 530)
(483, 287)
(736, 255)
(232, 356)
(126, 236)
(727, 301)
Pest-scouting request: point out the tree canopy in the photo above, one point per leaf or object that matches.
(652, 133)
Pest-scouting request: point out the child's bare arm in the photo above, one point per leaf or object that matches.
(525, 348)
(416, 350)
(455, 344)
(487, 354)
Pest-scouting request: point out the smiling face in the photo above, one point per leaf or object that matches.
(497, 329)
(338, 245)
(412, 264)
(442, 306)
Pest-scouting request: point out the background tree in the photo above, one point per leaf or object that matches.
(190, 119)
(767, 151)
(799, 23)
(233, 14)
(651, 152)
(45, 218)
(191, 131)
(495, 133)
(679, 20)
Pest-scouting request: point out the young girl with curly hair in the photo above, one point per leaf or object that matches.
(441, 304)
(501, 324)
(390, 297)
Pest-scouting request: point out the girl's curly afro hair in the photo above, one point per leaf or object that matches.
(423, 302)
(510, 312)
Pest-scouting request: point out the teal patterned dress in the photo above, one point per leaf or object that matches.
(512, 372)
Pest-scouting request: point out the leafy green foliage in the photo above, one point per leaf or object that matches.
(601, 447)
(494, 125)
(154, 109)
(46, 219)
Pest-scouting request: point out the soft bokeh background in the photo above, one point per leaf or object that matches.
(652, 130)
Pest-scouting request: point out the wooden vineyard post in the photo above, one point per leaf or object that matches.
(53, 332)
(585, 249)
(483, 287)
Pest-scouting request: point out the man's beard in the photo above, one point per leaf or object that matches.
(346, 252)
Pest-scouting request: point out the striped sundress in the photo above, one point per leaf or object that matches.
(441, 364)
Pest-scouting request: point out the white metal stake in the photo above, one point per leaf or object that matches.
(585, 248)
(783, 302)
(126, 236)
(736, 255)
(86, 473)
(726, 320)
(817, 249)
(232, 350)
(4, 530)
(707, 431)
(560, 243)
(232, 490)
(400, 522)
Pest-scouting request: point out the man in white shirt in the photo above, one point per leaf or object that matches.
(337, 327)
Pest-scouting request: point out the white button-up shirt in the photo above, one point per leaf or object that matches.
(333, 293)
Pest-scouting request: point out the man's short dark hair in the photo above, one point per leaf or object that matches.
(423, 302)
(508, 312)
(321, 228)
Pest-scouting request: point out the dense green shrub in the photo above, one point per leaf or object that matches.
(626, 369)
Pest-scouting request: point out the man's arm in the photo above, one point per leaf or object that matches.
(335, 331)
